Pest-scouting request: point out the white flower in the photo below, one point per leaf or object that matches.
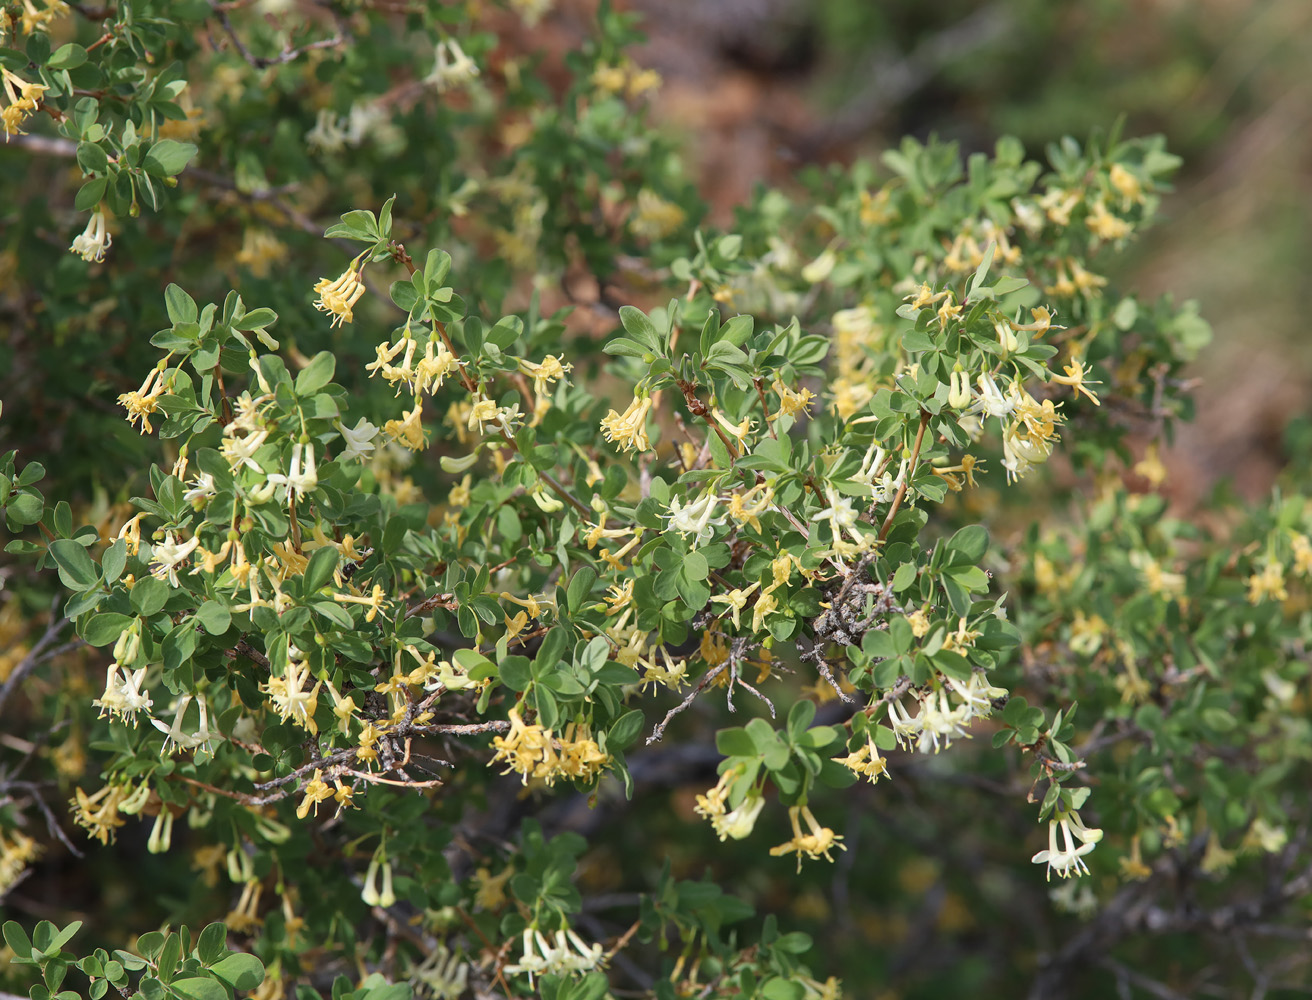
(739, 823)
(1021, 451)
(568, 953)
(976, 695)
(695, 518)
(451, 67)
(904, 726)
(93, 241)
(874, 458)
(886, 489)
(1070, 859)
(359, 439)
(240, 451)
(939, 721)
(371, 893)
(123, 695)
(204, 488)
(371, 121)
(327, 135)
(443, 975)
(297, 483)
(840, 513)
(168, 555)
(991, 401)
(530, 963)
(178, 739)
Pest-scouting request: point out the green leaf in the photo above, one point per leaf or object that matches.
(905, 576)
(215, 618)
(240, 971)
(580, 588)
(168, 157)
(76, 569)
(735, 743)
(180, 306)
(355, 225)
(319, 570)
(17, 939)
(90, 194)
(799, 717)
(982, 271)
(403, 294)
(25, 508)
(317, 374)
(38, 47)
(200, 988)
(972, 578)
(967, 546)
(738, 330)
(92, 158)
(437, 265)
(625, 730)
(515, 672)
(640, 328)
(212, 943)
(256, 319)
(105, 628)
(149, 595)
(624, 347)
(68, 56)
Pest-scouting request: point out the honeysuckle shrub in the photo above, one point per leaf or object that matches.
(406, 467)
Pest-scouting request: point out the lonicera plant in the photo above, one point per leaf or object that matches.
(352, 593)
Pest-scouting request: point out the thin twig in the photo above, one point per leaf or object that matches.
(38, 654)
(709, 676)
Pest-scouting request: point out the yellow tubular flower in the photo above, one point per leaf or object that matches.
(316, 791)
(736, 600)
(819, 841)
(338, 297)
(548, 370)
(1074, 377)
(745, 512)
(1104, 225)
(144, 401)
(629, 429)
(408, 431)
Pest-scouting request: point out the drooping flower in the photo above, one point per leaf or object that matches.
(409, 430)
(654, 217)
(123, 696)
(93, 241)
(178, 738)
(1074, 377)
(144, 401)
(736, 600)
(327, 136)
(792, 403)
(543, 373)
(817, 842)
(339, 296)
(1068, 860)
(866, 761)
(298, 481)
(290, 698)
(629, 429)
(359, 439)
(316, 790)
(452, 68)
(695, 518)
(168, 555)
(371, 894)
(738, 823)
